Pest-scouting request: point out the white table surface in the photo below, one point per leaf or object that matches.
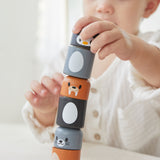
(17, 143)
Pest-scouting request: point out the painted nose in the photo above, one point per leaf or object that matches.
(105, 8)
(85, 42)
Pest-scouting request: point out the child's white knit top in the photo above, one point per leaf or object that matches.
(122, 110)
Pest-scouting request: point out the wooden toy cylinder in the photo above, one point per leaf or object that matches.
(66, 138)
(60, 154)
(71, 112)
(75, 88)
(79, 62)
(77, 41)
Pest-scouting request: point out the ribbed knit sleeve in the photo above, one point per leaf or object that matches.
(139, 125)
(139, 122)
(42, 134)
(138, 85)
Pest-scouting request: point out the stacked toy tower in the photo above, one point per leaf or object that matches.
(73, 100)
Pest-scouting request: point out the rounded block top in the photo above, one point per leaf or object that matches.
(75, 88)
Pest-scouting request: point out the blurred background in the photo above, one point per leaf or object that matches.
(31, 30)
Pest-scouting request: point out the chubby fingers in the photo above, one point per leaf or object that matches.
(105, 38)
(96, 28)
(58, 77)
(82, 22)
(31, 97)
(37, 92)
(40, 92)
(51, 85)
(38, 89)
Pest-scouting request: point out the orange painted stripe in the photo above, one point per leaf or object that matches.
(60, 154)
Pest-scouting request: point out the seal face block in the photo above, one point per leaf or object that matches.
(75, 88)
(71, 112)
(66, 138)
(79, 62)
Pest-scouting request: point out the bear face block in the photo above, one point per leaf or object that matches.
(75, 88)
(71, 112)
(78, 62)
(66, 138)
(60, 154)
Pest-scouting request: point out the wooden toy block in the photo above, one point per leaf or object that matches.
(60, 154)
(79, 62)
(73, 100)
(75, 88)
(77, 41)
(66, 138)
(71, 112)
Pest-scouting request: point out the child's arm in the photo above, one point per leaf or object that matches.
(38, 113)
(44, 98)
(111, 39)
(146, 60)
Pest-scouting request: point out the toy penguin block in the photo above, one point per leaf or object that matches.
(59, 154)
(71, 112)
(66, 138)
(79, 62)
(75, 88)
(77, 41)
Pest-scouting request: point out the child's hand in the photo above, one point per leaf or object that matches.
(111, 38)
(44, 97)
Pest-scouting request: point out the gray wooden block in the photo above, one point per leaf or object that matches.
(66, 138)
(79, 62)
(71, 112)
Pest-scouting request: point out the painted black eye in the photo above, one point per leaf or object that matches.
(69, 84)
(66, 139)
(80, 40)
(80, 86)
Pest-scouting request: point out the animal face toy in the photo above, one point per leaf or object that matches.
(66, 138)
(83, 43)
(75, 88)
(77, 41)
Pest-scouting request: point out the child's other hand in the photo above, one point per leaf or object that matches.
(44, 96)
(111, 38)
